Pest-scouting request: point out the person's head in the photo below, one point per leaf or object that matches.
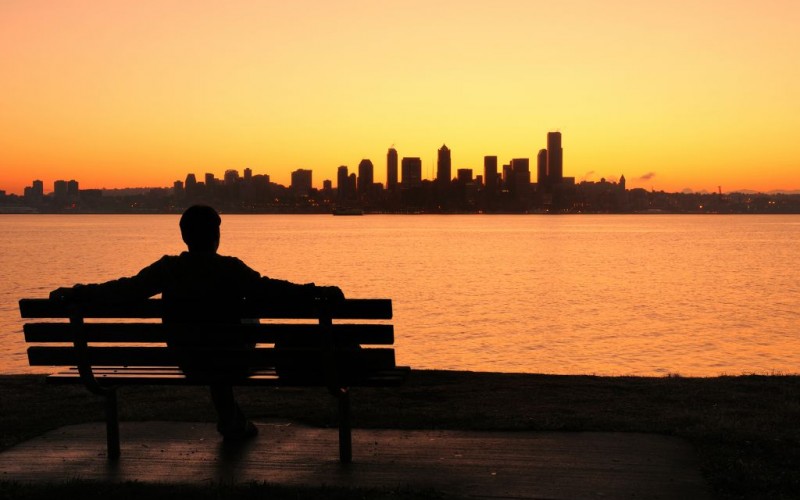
(200, 228)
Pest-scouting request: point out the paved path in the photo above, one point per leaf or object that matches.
(540, 465)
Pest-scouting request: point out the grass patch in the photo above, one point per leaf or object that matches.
(744, 428)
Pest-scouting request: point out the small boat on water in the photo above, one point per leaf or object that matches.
(348, 211)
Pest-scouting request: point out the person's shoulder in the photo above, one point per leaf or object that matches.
(166, 260)
(231, 261)
(170, 259)
(207, 258)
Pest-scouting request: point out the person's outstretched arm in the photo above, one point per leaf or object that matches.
(148, 282)
(281, 290)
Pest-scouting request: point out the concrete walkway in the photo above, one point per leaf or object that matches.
(539, 465)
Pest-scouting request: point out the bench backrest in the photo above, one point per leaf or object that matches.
(351, 335)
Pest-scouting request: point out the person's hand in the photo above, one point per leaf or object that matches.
(64, 293)
(332, 293)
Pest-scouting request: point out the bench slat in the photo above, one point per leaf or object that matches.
(364, 334)
(154, 308)
(163, 356)
(167, 376)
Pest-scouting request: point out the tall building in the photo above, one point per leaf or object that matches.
(366, 176)
(520, 177)
(60, 190)
(443, 166)
(507, 177)
(464, 175)
(391, 169)
(555, 158)
(520, 165)
(190, 186)
(261, 187)
(351, 185)
(72, 189)
(248, 174)
(231, 177)
(341, 182)
(34, 192)
(541, 168)
(411, 168)
(191, 181)
(490, 176)
(490, 173)
(301, 181)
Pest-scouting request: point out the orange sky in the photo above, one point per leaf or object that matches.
(672, 94)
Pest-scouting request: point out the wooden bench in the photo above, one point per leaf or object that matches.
(106, 346)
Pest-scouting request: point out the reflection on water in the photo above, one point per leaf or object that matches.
(646, 295)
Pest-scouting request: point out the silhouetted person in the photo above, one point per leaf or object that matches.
(196, 287)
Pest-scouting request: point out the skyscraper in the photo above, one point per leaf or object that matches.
(520, 177)
(366, 176)
(301, 181)
(490, 173)
(231, 177)
(411, 172)
(541, 168)
(60, 190)
(555, 158)
(37, 188)
(341, 182)
(73, 190)
(443, 166)
(391, 169)
(35, 192)
(190, 185)
(351, 185)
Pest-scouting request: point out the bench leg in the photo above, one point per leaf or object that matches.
(112, 425)
(345, 435)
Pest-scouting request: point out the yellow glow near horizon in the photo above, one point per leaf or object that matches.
(672, 94)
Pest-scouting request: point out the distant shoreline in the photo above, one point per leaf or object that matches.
(549, 214)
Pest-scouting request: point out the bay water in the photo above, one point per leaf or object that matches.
(695, 295)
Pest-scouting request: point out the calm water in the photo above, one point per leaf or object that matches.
(642, 295)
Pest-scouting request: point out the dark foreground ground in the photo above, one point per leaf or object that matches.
(745, 429)
(479, 465)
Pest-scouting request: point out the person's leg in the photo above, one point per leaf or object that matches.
(231, 422)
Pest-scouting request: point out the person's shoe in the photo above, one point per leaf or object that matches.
(248, 431)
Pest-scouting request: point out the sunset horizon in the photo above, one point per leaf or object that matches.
(673, 96)
(548, 244)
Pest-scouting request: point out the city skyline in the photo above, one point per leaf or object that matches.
(364, 178)
(514, 188)
(677, 96)
(392, 179)
(427, 171)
